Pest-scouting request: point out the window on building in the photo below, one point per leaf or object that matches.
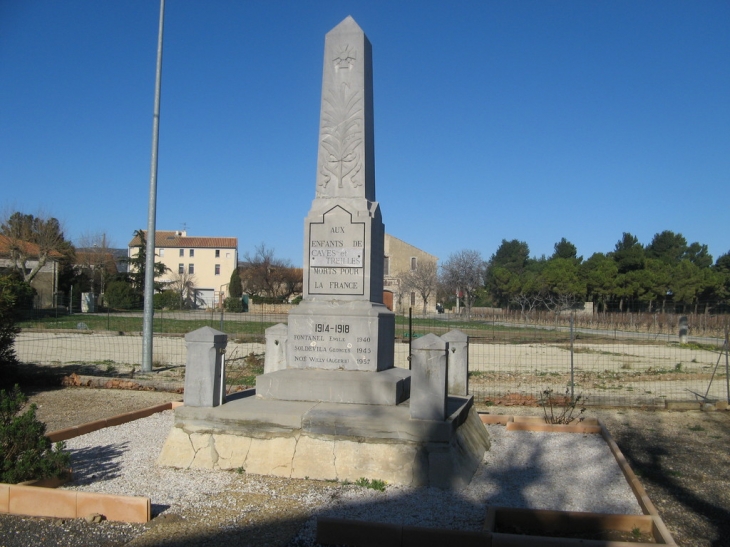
(386, 265)
(182, 252)
(217, 269)
(217, 253)
(162, 252)
(413, 299)
(413, 263)
(191, 269)
(181, 268)
(192, 252)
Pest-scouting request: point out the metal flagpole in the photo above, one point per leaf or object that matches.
(149, 278)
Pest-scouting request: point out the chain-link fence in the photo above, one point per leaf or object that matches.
(612, 361)
(509, 362)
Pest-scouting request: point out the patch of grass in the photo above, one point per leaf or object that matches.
(242, 371)
(696, 428)
(696, 345)
(374, 484)
(182, 324)
(597, 351)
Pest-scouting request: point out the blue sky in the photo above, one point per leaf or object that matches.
(530, 120)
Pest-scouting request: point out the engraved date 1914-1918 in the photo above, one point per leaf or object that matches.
(338, 329)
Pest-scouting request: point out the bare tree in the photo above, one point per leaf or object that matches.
(33, 239)
(183, 284)
(93, 255)
(527, 302)
(423, 280)
(293, 281)
(464, 271)
(264, 274)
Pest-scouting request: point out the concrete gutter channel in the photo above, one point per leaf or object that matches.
(39, 499)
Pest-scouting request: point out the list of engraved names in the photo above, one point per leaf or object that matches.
(333, 345)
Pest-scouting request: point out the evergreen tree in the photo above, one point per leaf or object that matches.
(234, 285)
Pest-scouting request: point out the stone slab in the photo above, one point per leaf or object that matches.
(264, 417)
(368, 421)
(246, 415)
(388, 387)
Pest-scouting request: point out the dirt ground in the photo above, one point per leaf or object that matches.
(681, 457)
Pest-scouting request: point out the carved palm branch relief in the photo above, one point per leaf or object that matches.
(341, 136)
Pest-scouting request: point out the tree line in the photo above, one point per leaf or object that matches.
(667, 274)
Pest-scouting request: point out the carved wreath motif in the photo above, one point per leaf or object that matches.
(342, 129)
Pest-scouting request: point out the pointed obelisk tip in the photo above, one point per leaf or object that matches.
(347, 24)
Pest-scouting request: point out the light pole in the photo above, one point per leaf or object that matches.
(149, 278)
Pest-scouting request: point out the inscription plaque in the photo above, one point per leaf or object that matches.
(337, 255)
(333, 344)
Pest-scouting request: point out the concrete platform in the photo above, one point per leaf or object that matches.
(330, 441)
(387, 387)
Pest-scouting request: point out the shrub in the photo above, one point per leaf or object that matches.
(233, 304)
(121, 295)
(169, 300)
(559, 409)
(25, 451)
(15, 295)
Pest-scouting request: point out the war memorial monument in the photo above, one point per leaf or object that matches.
(330, 404)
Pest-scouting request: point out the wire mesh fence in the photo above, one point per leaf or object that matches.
(509, 362)
(615, 362)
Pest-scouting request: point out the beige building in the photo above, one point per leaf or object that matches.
(45, 281)
(206, 263)
(401, 257)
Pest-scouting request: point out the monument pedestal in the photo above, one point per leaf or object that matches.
(330, 441)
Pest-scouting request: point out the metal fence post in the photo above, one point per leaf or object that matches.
(572, 382)
(410, 335)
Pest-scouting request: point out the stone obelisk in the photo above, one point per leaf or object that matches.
(329, 403)
(342, 323)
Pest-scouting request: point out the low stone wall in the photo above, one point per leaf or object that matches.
(302, 454)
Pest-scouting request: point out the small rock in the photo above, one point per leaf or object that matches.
(94, 518)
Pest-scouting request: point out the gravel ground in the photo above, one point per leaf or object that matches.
(681, 458)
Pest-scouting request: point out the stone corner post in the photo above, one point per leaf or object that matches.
(205, 380)
(458, 362)
(276, 339)
(429, 377)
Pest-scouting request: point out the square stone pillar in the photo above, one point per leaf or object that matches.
(458, 362)
(205, 382)
(276, 339)
(429, 374)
